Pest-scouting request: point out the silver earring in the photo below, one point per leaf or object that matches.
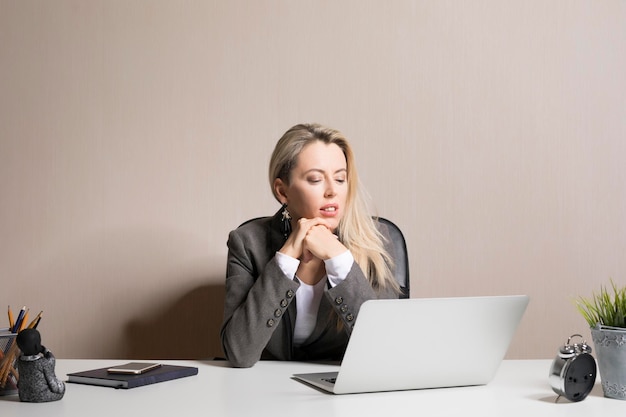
(286, 222)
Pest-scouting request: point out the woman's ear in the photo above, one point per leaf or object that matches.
(279, 189)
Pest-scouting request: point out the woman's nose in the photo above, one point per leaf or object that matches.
(330, 190)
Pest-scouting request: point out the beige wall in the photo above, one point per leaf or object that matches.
(135, 135)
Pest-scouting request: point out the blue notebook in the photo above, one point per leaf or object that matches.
(103, 378)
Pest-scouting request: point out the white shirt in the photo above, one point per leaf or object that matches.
(309, 296)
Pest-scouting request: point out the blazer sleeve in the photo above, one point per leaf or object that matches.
(258, 294)
(347, 297)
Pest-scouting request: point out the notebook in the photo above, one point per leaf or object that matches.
(424, 343)
(104, 378)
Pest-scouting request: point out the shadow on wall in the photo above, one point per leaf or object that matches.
(186, 329)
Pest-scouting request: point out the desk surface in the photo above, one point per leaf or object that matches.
(520, 388)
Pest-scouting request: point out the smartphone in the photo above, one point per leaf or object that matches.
(133, 368)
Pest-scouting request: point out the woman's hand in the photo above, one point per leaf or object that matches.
(320, 242)
(311, 238)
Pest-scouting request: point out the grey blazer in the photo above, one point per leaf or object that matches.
(260, 310)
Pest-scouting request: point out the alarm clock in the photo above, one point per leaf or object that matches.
(573, 371)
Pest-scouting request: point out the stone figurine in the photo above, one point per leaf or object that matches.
(37, 381)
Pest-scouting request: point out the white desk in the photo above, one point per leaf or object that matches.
(521, 388)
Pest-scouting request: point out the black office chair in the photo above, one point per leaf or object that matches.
(402, 257)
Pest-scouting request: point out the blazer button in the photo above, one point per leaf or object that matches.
(344, 308)
(338, 300)
(270, 323)
(350, 317)
(290, 294)
(278, 312)
(283, 303)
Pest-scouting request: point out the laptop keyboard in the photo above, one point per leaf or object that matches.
(330, 380)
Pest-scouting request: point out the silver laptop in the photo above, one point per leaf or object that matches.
(424, 343)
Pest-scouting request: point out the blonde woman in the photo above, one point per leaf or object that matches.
(295, 281)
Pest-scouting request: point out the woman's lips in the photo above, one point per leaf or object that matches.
(329, 210)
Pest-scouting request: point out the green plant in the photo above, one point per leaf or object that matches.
(604, 308)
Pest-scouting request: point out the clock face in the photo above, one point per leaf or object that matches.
(579, 377)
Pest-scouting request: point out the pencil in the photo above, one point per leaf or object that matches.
(33, 324)
(22, 323)
(11, 321)
(18, 322)
(7, 366)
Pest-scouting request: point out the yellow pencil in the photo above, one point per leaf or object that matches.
(33, 324)
(23, 322)
(5, 370)
(11, 321)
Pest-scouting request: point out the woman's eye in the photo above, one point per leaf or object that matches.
(314, 180)
(340, 180)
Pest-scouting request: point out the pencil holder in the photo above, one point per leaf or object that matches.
(8, 357)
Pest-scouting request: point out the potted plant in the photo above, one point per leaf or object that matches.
(605, 313)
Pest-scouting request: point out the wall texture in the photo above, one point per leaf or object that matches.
(135, 135)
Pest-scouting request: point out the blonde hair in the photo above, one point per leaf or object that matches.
(356, 229)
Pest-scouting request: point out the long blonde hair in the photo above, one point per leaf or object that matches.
(356, 229)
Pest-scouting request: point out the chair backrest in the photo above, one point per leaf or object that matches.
(401, 259)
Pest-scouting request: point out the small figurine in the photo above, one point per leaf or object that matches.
(37, 382)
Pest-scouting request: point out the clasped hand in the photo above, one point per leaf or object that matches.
(310, 239)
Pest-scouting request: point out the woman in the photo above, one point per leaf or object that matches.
(295, 281)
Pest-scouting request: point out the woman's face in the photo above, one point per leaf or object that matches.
(318, 184)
